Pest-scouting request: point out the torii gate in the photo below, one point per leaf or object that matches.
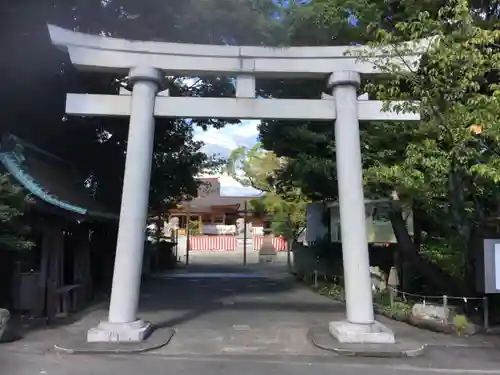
(146, 63)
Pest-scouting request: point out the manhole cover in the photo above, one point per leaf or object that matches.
(228, 303)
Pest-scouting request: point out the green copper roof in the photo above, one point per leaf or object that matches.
(48, 178)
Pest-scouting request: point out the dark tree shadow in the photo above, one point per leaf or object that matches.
(202, 295)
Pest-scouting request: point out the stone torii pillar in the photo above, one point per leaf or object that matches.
(360, 325)
(122, 324)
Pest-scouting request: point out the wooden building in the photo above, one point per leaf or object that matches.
(55, 277)
(212, 213)
(214, 221)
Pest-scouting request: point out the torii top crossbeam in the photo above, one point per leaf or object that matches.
(98, 53)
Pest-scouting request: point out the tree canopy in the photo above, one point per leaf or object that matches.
(446, 166)
(34, 89)
(258, 168)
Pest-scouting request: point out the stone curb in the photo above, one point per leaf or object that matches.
(321, 338)
(156, 340)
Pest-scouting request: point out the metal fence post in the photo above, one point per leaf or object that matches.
(486, 313)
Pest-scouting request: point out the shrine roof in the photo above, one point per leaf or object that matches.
(208, 201)
(49, 179)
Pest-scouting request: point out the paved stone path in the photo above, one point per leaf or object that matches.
(250, 319)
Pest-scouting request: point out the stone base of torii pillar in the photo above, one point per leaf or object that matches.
(135, 331)
(355, 333)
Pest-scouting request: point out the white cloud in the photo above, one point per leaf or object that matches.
(231, 136)
(222, 142)
(229, 186)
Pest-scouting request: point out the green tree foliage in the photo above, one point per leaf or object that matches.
(258, 167)
(33, 104)
(259, 170)
(449, 165)
(13, 203)
(445, 166)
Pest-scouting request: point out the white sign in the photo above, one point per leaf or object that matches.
(497, 266)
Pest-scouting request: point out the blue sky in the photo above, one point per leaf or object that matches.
(222, 142)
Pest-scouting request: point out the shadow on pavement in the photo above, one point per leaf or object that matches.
(197, 293)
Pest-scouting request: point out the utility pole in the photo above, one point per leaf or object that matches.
(245, 234)
(289, 242)
(188, 221)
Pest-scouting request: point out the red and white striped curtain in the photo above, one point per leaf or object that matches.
(212, 243)
(279, 243)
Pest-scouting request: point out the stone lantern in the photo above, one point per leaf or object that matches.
(267, 253)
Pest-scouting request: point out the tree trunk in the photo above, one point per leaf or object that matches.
(409, 252)
(417, 228)
(159, 228)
